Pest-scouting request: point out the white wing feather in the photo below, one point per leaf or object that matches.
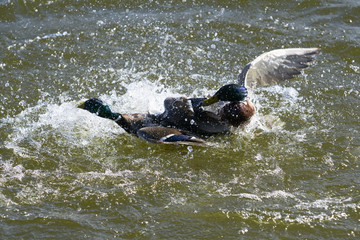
(275, 66)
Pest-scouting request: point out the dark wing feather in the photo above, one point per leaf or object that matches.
(165, 135)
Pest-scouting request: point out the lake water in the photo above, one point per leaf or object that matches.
(293, 173)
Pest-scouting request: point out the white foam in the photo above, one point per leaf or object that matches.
(144, 96)
(279, 194)
(24, 44)
(34, 126)
(11, 172)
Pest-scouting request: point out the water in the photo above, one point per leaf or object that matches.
(292, 173)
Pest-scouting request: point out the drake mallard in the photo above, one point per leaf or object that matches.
(185, 121)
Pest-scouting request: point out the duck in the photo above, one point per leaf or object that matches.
(185, 121)
(146, 126)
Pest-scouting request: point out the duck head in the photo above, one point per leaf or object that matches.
(95, 105)
(229, 92)
(237, 113)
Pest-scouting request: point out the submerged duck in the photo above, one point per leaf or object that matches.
(186, 121)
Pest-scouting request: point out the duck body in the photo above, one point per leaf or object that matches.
(182, 123)
(184, 113)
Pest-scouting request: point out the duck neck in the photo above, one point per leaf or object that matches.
(105, 112)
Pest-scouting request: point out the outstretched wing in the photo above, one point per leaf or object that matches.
(275, 66)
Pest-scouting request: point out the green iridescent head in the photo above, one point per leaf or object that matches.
(95, 105)
(230, 92)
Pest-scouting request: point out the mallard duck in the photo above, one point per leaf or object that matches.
(146, 126)
(185, 121)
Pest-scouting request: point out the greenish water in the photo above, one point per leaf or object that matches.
(293, 173)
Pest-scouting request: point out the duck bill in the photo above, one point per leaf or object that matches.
(81, 105)
(209, 101)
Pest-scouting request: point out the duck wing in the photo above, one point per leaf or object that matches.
(276, 66)
(165, 135)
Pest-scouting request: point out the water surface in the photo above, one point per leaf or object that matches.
(292, 173)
